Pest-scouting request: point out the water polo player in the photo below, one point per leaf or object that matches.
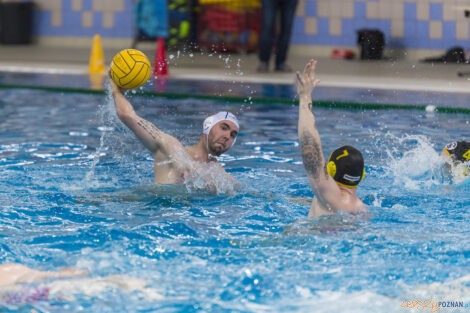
(173, 163)
(457, 157)
(334, 184)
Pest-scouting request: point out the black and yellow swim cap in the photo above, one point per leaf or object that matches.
(346, 166)
(458, 150)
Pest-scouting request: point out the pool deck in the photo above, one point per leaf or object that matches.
(403, 75)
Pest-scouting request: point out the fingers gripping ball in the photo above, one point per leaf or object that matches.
(130, 69)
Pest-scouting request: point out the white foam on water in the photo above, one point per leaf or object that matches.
(366, 301)
(94, 286)
(104, 111)
(205, 176)
(326, 302)
(450, 290)
(412, 161)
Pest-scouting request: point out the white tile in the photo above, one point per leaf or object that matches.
(334, 8)
(461, 30)
(422, 11)
(385, 9)
(77, 5)
(398, 28)
(460, 7)
(311, 26)
(435, 29)
(108, 19)
(347, 9)
(49, 4)
(372, 10)
(87, 19)
(448, 11)
(335, 26)
(398, 10)
(300, 11)
(117, 5)
(323, 8)
(56, 18)
(98, 5)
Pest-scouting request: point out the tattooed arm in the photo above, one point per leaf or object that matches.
(153, 138)
(325, 188)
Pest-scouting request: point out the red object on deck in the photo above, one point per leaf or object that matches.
(161, 67)
(342, 54)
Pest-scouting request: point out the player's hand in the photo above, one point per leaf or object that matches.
(306, 81)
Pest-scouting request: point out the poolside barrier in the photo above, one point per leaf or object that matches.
(96, 57)
(161, 67)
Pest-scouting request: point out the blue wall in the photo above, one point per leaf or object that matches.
(416, 24)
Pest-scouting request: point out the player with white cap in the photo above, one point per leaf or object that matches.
(170, 157)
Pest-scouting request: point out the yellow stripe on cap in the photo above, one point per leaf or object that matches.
(345, 153)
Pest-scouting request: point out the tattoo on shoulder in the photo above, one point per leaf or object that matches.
(311, 155)
(151, 129)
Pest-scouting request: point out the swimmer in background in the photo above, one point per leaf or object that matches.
(334, 184)
(171, 164)
(21, 284)
(456, 155)
(13, 273)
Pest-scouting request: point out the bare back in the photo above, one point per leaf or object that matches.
(353, 203)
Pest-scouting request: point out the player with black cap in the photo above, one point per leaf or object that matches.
(334, 183)
(457, 159)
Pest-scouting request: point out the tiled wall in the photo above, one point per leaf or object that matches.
(418, 24)
(83, 18)
(423, 24)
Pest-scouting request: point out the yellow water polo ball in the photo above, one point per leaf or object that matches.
(130, 69)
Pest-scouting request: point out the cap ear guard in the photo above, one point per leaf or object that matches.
(206, 127)
(331, 169)
(338, 171)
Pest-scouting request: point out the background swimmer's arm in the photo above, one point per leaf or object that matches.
(322, 184)
(153, 138)
(17, 273)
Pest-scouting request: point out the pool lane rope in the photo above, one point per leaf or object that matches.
(254, 100)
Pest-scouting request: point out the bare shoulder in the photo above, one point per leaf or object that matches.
(352, 203)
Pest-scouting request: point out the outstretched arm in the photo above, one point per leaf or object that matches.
(153, 138)
(322, 184)
(16, 273)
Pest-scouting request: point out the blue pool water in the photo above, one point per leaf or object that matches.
(75, 191)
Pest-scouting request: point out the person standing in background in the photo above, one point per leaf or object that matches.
(268, 17)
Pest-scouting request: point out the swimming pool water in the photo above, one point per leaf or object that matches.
(76, 191)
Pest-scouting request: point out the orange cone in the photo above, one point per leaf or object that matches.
(96, 57)
(160, 68)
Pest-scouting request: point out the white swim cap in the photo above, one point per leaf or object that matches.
(214, 119)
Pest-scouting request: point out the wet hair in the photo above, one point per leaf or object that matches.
(346, 166)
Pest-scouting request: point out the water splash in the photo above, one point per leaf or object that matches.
(107, 116)
(412, 161)
(205, 176)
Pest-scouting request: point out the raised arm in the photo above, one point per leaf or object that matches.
(324, 187)
(153, 138)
